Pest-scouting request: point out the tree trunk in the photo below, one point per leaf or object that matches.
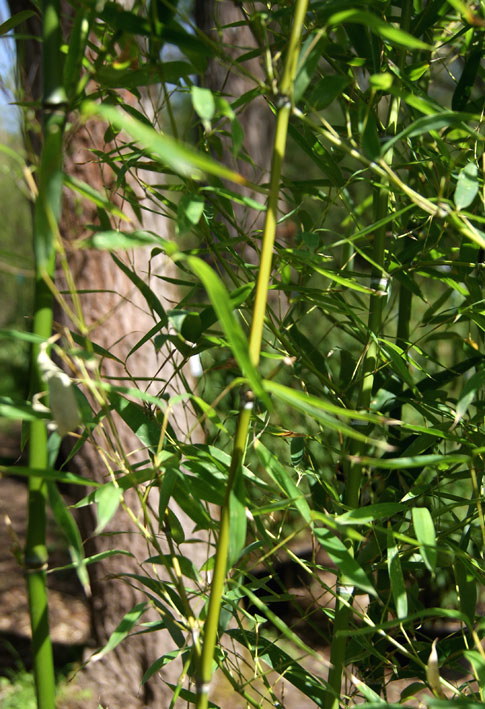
(117, 317)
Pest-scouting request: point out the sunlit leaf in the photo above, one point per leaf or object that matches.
(426, 535)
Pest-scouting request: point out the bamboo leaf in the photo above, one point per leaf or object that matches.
(385, 30)
(15, 20)
(277, 471)
(181, 158)
(69, 528)
(346, 563)
(122, 630)
(468, 394)
(108, 499)
(327, 90)
(426, 536)
(203, 103)
(370, 513)
(466, 186)
(114, 240)
(425, 124)
(152, 300)
(324, 411)
(396, 577)
(221, 303)
(93, 196)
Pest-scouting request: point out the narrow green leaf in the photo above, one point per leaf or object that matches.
(221, 303)
(123, 629)
(324, 412)
(385, 30)
(46, 474)
(114, 240)
(189, 211)
(108, 499)
(20, 410)
(426, 535)
(186, 565)
(370, 138)
(464, 87)
(346, 563)
(466, 186)
(181, 158)
(144, 75)
(94, 196)
(69, 528)
(307, 64)
(152, 301)
(370, 513)
(468, 586)
(238, 521)
(277, 471)
(203, 102)
(15, 20)
(469, 394)
(396, 577)
(425, 124)
(10, 334)
(312, 686)
(414, 461)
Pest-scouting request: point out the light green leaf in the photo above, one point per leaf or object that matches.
(108, 499)
(46, 474)
(425, 124)
(346, 563)
(203, 103)
(189, 212)
(114, 240)
(94, 196)
(20, 410)
(385, 30)
(468, 394)
(220, 300)
(466, 186)
(370, 513)
(324, 411)
(413, 461)
(396, 577)
(181, 158)
(69, 528)
(277, 471)
(426, 535)
(123, 629)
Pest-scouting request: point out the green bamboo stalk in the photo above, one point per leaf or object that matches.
(46, 214)
(284, 106)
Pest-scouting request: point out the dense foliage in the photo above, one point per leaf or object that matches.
(364, 407)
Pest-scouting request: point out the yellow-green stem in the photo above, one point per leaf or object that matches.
(284, 105)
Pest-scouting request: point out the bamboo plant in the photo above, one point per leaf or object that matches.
(46, 216)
